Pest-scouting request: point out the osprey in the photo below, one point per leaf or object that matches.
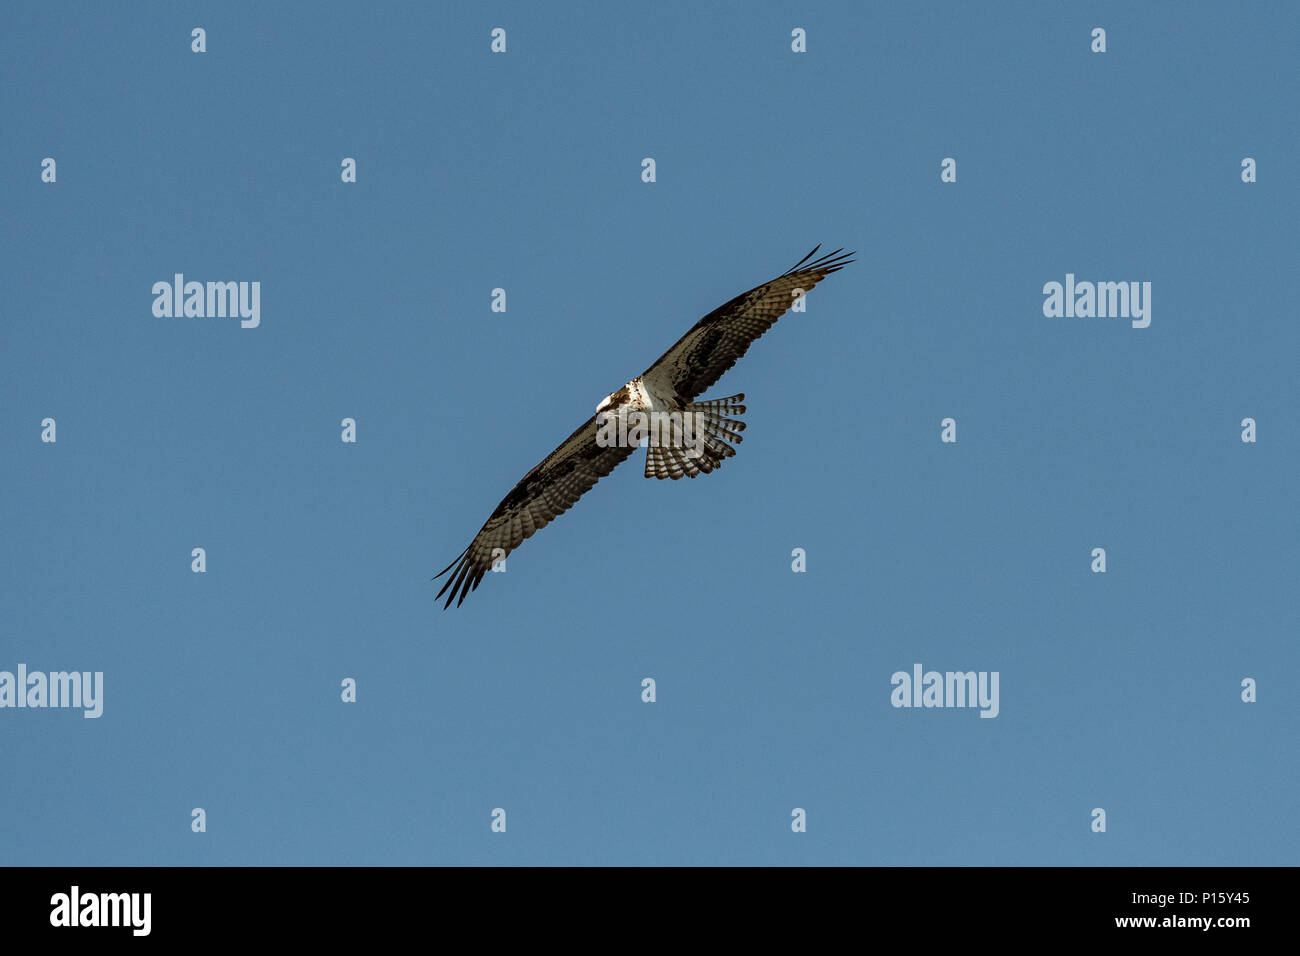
(697, 432)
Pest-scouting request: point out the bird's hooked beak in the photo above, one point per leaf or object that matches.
(613, 399)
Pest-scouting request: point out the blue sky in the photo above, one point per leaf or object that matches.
(522, 171)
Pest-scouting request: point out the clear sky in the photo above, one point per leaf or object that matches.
(523, 171)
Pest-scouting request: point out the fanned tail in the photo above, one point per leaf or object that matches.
(702, 442)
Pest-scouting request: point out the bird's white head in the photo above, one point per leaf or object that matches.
(613, 400)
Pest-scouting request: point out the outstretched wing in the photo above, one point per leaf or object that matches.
(719, 339)
(563, 477)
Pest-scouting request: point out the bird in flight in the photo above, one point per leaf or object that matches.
(658, 409)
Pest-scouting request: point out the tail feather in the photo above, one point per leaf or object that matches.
(712, 431)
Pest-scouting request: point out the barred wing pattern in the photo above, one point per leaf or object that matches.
(719, 339)
(550, 489)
